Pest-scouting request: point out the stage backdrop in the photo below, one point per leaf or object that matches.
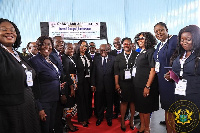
(124, 18)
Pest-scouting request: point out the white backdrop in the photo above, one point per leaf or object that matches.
(124, 18)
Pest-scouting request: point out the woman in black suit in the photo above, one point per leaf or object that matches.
(82, 61)
(145, 81)
(48, 81)
(68, 93)
(123, 80)
(17, 106)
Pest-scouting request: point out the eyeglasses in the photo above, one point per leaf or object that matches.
(141, 38)
(4, 29)
(61, 42)
(126, 44)
(92, 46)
(83, 45)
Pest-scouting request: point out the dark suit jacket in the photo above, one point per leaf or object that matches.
(101, 79)
(114, 52)
(47, 78)
(12, 79)
(80, 67)
(56, 59)
(189, 73)
(68, 68)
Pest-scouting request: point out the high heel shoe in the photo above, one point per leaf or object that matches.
(132, 127)
(123, 128)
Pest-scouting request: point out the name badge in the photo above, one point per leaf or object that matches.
(181, 87)
(134, 71)
(29, 78)
(157, 67)
(127, 74)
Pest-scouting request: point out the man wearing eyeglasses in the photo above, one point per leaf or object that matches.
(32, 48)
(92, 49)
(102, 81)
(55, 55)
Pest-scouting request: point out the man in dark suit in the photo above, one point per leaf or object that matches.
(55, 56)
(102, 82)
(32, 49)
(118, 49)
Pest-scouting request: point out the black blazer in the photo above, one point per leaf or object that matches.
(68, 68)
(98, 77)
(120, 64)
(80, 67)
(12, 79)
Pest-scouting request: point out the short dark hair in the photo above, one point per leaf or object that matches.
(18, 39)
(41, 39)
(126, 38)
(162, 24)
(150, 40)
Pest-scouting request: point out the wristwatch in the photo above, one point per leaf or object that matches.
(148, 87)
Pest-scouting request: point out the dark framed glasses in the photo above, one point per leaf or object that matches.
(140, 38)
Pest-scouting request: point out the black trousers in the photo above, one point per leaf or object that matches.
(104, 97)
(83, 103)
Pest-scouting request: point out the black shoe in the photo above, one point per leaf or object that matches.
(123, 128)
(98, 122)
(140, 132)
(132, 127)
(162, 122)
(109, 122)
(115, 116)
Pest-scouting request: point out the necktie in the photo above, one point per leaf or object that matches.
(104, 65)
(60, 56)
(118, 52)
(92, 56)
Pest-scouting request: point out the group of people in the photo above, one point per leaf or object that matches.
(56, 80)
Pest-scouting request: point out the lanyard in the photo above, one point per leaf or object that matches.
(182, 62)
(15, 54)
(137, 57)
(127, 58)
(160, 47)
(72, 61)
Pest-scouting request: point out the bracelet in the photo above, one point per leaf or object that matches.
(148, 87)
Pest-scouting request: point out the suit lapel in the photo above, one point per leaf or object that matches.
(190, 58)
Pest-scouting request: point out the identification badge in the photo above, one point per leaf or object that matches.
(181, 87)
(127, 74)
(134, 71)
(157, 67)
(29, 78)
(88, 74)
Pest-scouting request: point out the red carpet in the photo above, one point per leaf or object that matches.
(103, 128)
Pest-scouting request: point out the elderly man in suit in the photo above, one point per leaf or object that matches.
(102, 82)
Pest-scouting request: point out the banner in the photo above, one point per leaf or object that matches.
(75, 30)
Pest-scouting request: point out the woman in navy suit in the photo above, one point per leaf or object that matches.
(162, 55)
(48, 80)
(187, 66)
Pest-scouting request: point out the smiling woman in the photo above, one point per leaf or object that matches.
(17, 107)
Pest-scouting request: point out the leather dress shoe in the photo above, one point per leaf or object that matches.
(98, 122)
(109, 122)
(162, 122)
(132, 127)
